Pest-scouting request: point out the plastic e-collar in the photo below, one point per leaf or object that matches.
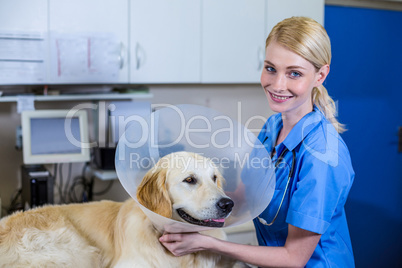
(240, 156)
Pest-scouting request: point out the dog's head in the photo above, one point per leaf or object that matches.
(188, 187)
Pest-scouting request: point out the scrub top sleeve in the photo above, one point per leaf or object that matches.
(321, 190)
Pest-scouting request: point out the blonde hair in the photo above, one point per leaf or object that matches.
(308, 39)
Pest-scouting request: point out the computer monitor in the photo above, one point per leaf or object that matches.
(55, 136)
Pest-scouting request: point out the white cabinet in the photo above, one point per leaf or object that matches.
(140, 42)
(23, 40)
(232, 41)
(234, 33)
(88, 41)
(276, 11)
(165, 41)
(23, 15)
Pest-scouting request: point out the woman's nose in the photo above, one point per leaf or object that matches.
(278, 83)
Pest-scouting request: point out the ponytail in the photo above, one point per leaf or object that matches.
(327, 106)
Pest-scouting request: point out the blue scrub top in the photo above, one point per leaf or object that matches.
(315, 199)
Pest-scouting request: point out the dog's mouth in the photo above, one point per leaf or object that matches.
(208, 222)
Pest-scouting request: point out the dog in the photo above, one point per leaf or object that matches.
(183, 186)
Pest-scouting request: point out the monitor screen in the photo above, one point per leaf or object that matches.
(55, 136)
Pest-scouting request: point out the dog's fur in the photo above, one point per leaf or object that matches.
(111, 234)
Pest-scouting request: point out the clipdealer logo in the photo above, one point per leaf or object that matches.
(217, 131)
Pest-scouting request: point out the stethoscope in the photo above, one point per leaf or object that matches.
(280, 158)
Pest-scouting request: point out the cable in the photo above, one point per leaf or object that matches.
(65, 192)
(84, 169)
(15, 205)
(85, 185)
(104, 191)
(61, 184)
(55, 168)
(72, 192)
(55, 171)
(81, 189)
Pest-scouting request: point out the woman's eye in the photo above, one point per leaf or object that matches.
(190, 180)
(270, 69)
(295, 74)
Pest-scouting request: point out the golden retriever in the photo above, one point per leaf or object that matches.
(182, 186)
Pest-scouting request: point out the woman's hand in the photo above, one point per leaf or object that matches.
(299, 247)
(184, 243)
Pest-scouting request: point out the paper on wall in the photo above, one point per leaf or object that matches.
(25, 103)
(22, 57)
(84, 57)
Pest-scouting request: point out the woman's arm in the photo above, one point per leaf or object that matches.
(299, 247)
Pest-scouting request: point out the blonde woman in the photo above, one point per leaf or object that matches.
(305, 223)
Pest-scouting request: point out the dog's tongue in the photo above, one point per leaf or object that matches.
(215, 220)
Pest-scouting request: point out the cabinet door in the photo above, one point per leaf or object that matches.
(89, 41)
(232, 41)
(23, 40)
(165, 41)
(276, 11)
(23, 15)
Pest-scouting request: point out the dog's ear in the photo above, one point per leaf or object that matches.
(152, 192)
(220, 180)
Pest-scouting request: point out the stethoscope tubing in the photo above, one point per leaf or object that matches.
(262, 221)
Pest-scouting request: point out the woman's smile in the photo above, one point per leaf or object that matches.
(279, 98)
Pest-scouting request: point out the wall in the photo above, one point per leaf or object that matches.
(241, 102)
(365, 81)
(10, 159)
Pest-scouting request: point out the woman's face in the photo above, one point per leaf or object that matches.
(288, 80)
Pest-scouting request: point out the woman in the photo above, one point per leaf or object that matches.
(305, 223)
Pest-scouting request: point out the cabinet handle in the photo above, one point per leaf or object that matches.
(137, 59)
(121, 58)
(260, 55)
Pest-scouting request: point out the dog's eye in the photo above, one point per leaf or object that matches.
(190, 180)
(214, 178)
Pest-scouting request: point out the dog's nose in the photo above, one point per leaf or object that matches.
(225, 204)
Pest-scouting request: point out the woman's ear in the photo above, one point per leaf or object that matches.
(152, 192)
(321, 75)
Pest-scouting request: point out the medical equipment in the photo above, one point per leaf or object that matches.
(37, 186)
(55, 136)
(280, 158)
